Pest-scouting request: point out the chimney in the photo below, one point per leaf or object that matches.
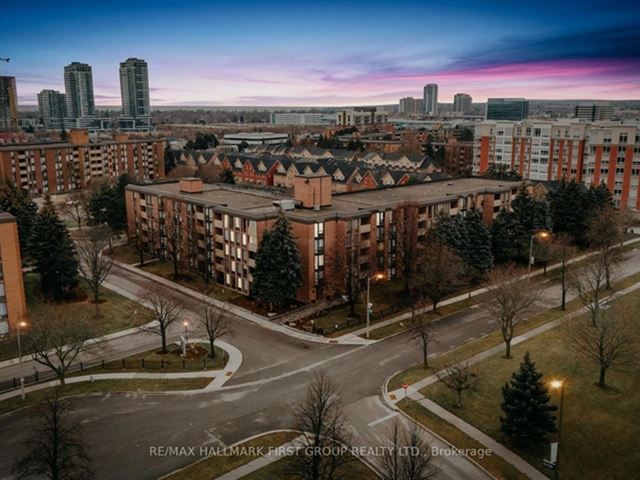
(312, 191)
(191, 185)
(79, 137)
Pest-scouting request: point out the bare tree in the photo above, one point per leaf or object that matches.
(166, 311)
(562, 250)
(589, 283)
(410, 247)
(58, 337)
(215, 323)
(77, 206)
(605, 235)
(344, 276)
(440, 269)
(424, 336)
(408, 455)
(611, 344)
(458, 377)
(55, 450)
(93, 263)
(511, 301)
(172, 235)
(320, 418)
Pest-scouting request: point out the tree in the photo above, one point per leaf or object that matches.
(562, 250)
(344, 276)
(93, 263)
(589, 283)
(166, 311)
(77, 206)
(605, 235)
(170, 160)
(458, 377)
(215, 323)
(227, 176)
(57, 337)
(54, 254)
(532, 215)
(500, 171)
(424, 336)
(64, 135)
(410, 246)
(107, 204)
(173, 237)
(277, 274)
(18, 203)
(511, 300)
(506, 235)
(55, 450)
(408, 455)
(319, 416)
(528, 417)
(440, 269)
(203, 141)
(611, 343)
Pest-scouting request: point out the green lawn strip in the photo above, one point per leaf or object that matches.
(493, 463)
(593, 417)
(217, 465)
(153, 361)
(355, 470)
(105, 386)
(127, 254)
(116, 312)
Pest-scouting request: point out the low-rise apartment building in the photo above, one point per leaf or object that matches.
(592, 153)
(62, 167)
(13, 306)
(217, 228)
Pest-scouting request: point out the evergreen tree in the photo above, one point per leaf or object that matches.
(573, 207)
(277, 274)
(478, 252)
(227, 176)
(528, 417)
(54, 254)
(18, 203)
(107, 205)
(506, 234)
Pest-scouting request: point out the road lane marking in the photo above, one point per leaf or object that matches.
(383, 419)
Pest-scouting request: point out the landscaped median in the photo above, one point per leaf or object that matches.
(599, 425)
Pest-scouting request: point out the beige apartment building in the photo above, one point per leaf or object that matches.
(12, 300)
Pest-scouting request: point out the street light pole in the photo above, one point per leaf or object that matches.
(557, 470)
(22, 393)
(530, 255)
(368, 316)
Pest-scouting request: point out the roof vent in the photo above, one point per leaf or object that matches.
(285, 205)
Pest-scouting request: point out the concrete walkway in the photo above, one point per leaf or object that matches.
(218, 377)
(413, 392)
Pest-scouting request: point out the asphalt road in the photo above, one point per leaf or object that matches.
(121, 429)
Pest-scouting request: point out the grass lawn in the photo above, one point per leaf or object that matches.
(105, 386)
(600, 427)
(277, 471)
(493, 463)
(154, 361)
(127, 254)
(116, 312)
(214, 466)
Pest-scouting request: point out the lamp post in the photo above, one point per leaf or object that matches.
(543, 235)
(558, 385)
(186, 337)
(20, 326)
(377, 276)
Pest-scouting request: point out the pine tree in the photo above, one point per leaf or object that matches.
(18, 203)
(54, 254)
(528, 417)
(277, 274)
(478, 252)
(571, 205)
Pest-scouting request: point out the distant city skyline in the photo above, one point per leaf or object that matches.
(295, 54)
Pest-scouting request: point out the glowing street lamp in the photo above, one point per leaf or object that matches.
(556, 384)
(20, 325)
(542, 235)
(186, 338)
(377, 276)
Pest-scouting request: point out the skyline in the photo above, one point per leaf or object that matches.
(281, 53)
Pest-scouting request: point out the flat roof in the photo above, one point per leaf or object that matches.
(28, 146)
(258, 203)
(255, 135)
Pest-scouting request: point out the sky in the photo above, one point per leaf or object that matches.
(326, 52)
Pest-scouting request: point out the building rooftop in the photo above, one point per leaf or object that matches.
(258, 203)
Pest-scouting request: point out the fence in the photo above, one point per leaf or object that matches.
(123, 365)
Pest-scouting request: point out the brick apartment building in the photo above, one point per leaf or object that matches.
(62, 167)
(591, 153)
(219, 227)
(12, 300)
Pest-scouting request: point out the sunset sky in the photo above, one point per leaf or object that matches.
(327, 52)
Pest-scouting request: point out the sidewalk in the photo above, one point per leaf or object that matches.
(413, 392)
(218, 377)
(465, 296)
(348, 339)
